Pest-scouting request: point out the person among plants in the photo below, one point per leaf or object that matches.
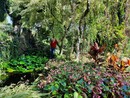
(53, 45)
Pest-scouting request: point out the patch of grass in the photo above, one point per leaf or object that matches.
(19, 91)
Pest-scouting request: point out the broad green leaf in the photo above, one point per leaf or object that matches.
(10, 70)
(76, 95)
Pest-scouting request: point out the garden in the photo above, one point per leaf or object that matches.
(90, 58)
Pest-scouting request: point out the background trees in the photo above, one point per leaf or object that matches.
(26, 29)
(75, 23)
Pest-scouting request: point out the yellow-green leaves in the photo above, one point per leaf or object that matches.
(77, 95)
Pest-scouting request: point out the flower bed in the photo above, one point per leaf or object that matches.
(72, 79)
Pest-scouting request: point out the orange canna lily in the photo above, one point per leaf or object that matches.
(123, 63)
(128, 62)
(113, 59)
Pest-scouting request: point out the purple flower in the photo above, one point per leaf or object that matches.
(89, 81)
(96, 96)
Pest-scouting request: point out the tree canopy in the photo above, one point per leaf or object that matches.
(82, 21)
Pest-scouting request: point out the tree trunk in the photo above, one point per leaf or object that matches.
(127, 18)
(66, 29)
(62, 42)
(80, 30)
(83, 36)
(78, 49)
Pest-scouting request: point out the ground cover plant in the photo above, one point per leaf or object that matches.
(25, 64)
(84, 81)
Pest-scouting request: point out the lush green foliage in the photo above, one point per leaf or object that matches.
(19, 91)
(22, 65)
(104, 21)
(126, 50)
(2, 10)
(76, 24)
(25, 64)
(5, 42)
(84, 80)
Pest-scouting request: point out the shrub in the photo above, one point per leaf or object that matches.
(25, 64)
(5, 42)
(83, 80)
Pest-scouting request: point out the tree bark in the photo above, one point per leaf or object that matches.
(62, 43)
(78, 49)
(127, 18)
(80, 31)
(66, 29)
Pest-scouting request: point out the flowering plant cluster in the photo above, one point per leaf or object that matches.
(83, 80)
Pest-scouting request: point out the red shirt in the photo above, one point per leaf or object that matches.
(53, 43)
